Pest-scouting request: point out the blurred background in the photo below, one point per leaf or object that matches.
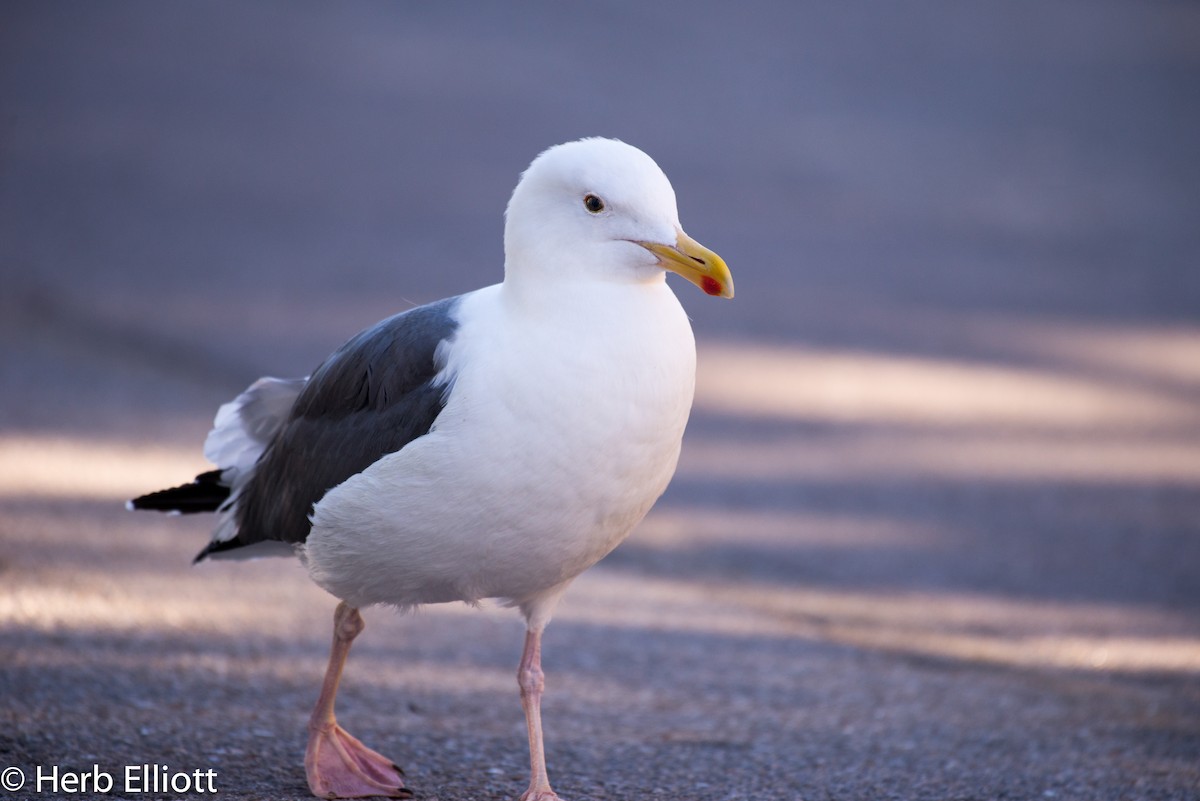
(936, 531)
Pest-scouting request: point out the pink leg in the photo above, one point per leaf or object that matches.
(532, 681)
(337, 764)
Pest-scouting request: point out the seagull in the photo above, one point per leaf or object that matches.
(492, 445)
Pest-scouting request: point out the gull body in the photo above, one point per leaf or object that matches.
(492, 445)
(444, 520)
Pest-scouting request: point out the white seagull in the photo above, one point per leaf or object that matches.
(491, 445)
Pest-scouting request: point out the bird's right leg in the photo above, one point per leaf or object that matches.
(337, 764)
(532, 682)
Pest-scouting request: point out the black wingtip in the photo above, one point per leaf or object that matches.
(205, 494)
(217, 547)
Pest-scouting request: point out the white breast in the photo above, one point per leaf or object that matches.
(561, 430)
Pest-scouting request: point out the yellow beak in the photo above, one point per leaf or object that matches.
(694, 262)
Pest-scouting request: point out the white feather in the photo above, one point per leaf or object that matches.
(242, 430)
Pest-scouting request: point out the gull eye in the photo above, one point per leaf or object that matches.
(593, 203)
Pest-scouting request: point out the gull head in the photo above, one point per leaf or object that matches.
(602, 210)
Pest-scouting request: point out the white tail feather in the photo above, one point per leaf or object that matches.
(242, 430)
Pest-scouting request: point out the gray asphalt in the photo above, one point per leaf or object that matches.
(935, 533)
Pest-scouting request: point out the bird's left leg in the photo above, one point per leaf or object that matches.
(533, 682)
(337, 764)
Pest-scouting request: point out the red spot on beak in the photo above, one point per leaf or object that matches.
(710, 286)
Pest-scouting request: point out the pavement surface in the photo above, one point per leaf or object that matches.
(936, 531)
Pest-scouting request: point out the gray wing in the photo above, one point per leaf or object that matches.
(370, 398)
